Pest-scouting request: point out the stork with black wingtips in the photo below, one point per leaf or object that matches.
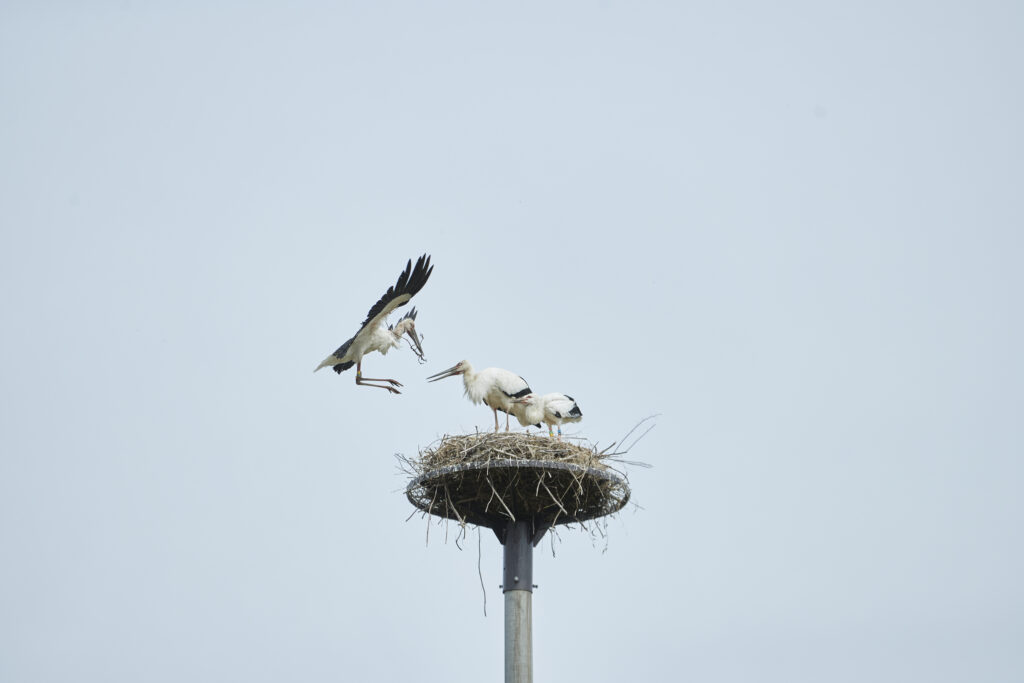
(552, 409)
(496, 388)
(376, 335)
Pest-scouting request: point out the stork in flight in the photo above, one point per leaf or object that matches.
(552, 409)
(375, 335)
(493, 386)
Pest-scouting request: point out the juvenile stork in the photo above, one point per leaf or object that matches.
(375, 335)
(552, 409)
(495, 387)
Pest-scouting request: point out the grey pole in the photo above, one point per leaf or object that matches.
(518, 589)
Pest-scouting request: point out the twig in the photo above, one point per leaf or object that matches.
(500, 500)
(559, 504)
(429, 510)
(635, 427)
(451, 506)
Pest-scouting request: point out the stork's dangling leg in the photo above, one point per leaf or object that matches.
(367, 381)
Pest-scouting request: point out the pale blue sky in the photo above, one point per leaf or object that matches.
(793, 231)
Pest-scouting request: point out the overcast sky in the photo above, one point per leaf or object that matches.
(793, 231)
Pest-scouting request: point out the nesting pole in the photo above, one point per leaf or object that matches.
(518, 589)
(519, 486)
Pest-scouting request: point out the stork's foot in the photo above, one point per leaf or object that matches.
(380, 386)
(369, 382)
(394, 382)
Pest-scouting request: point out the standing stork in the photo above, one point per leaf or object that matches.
(495, 387)
(552, 409)
(375, 335)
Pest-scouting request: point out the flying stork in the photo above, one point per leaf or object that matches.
(375, 335)
(552, 409)
(493, 386)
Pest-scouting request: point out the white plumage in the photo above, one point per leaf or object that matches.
(552, 409)
(495, 387)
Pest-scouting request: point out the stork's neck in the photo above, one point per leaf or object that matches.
(475, 392)
(529, 413)
(401, 328)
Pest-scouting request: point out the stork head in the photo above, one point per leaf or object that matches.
(408, 326)
(459, 368)
(527, 400)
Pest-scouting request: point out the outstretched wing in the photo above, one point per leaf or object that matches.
(409, 282)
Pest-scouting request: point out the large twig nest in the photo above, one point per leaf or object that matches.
(489, 479)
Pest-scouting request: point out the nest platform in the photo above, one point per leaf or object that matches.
(492, 479)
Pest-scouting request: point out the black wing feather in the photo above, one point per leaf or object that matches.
(409, 282)
(340, 353)
(342, 367)
(521, 393)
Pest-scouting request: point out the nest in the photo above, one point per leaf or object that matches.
(490, 479)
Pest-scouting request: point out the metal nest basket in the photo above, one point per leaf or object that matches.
(490, 479)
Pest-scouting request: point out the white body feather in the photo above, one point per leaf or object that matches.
(380, 338)
(492, 386)
(551, 409)
(558, 409)
(529, 414)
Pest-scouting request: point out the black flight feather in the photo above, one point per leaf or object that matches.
(340, 353)
(409, 282)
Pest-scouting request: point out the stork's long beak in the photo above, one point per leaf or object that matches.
(417, 349)
(450, 372)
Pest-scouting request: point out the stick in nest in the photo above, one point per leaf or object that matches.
(460, 477)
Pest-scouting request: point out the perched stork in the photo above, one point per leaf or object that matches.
(552, 409)
(375, 335)
(493, 386)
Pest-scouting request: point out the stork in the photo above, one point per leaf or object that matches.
(552, 409)
(496, 388)
(375, 335)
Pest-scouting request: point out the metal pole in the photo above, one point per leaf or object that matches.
(518, 589)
